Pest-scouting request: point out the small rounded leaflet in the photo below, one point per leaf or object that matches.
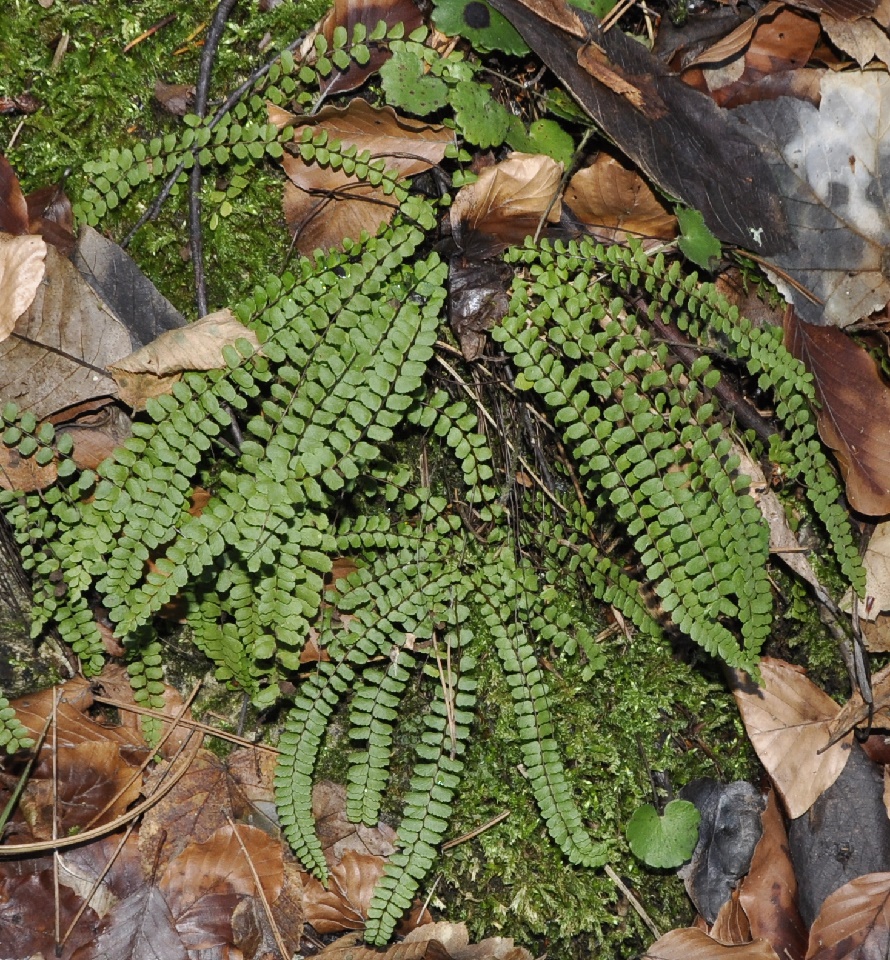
(477, 22)
(664, 841)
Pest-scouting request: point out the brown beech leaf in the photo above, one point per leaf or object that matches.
(22, 267)
(192, 811)
(97, 435)
(615, 203)
(731, 925)
(349, 13)
(251, 931)
(854, 922)
(856, 710)
(876, 561)
(863, 39)
(138, 928)
(153, 369)
(50, 215)
(203, 884)
(506, 204)
(80, 868)
(27, 917)
(855, 409)
(692, 944)
(343, 904)
(324, 206)
(768, 894)
(58, 352)
(90, 777)
(13, 207)
(787, 720)
(337, 834)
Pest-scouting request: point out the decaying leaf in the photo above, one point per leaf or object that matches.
(863, 39)
(830, 167)
(787, 720)
(615, 203)
(768, 894)
(877, 575)
(323, 206)
(854, 921)
(506, 204)
(22, 267)
(856, 710)
(175, 98)
(434, 941)
(337, 835)
(855, 409)
(152, 370)
(691, 944)
(677, 136)
(342, 904)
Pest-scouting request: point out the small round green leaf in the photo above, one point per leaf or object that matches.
(665, 841)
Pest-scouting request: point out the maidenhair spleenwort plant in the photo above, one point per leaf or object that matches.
(310, 449)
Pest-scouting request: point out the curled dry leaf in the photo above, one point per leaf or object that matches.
(324, 206)
(877, 575)
(59, 351)
(692, 944)
(854, 921)
(855, 409)
(768, 894)
(787, 720)
(615, 203)
(506, 204)
(862, 39)
(13, 207)
(22, 268)
(343, 903)
(154, 369)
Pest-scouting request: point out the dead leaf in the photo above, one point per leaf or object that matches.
(175, 98)
(50, 215)
(349, 13)
(58, 353)
(829, 170)
(856, 711)
(854, 921)
(324, 206)
(688, 147)
(343, 903)
(337, 834)
(13, 207)
(855, 409)
(876, 561)
(863, 39)
(788, 721)
(768, 894)
(616, 203)
(691, 944)
(506, 204)
(152, 370)
(22, 268)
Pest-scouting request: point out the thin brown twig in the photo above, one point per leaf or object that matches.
(191, 724)
(463, 838)
(623, 887)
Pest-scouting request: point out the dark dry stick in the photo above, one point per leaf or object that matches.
(233, 98)
(196, 237)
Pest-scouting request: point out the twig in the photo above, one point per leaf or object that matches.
(475, 833)
(184, 722)
(151, 30)
(622, 886)
(23, 779)
(196, 237)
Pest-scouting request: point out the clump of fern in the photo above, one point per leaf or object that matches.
(450, 564)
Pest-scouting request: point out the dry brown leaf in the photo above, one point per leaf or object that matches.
(731, 925)
(61, 346)
(877, 575)
(506, 204)
(13, 207)
(434, 941)
(616, 203)
(337, 834)
(90, 776)
(863, 39)
(348, 13)
(854, 922)
(22, 268)
(192, 811)
(97, 435)
(154, 369)
(855, 409)
(692, 944)
(175, 98)
(788, 720)
(80, 868)
(768, 894)
(856, 711)
(324, 206)
(343, 903)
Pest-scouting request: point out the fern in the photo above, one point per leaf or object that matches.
(298, 445)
